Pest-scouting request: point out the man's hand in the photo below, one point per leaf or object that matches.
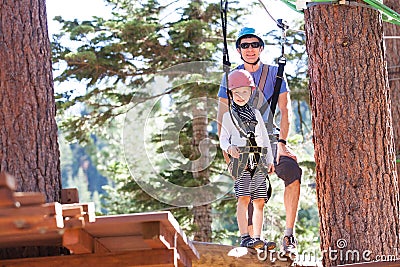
(233, 151)
(271, 168)
(284, 151)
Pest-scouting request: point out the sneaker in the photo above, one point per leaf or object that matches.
(289, 245)
(269, 245)
(252, 243)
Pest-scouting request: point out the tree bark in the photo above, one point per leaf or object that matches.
(393, 64)
(357, 189)
(200, 163)
(29, 148)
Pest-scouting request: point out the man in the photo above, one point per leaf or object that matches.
(249, 45)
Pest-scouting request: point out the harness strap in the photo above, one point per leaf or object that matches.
(239, 165)
(263, 77)
(261, 84)
(249, 129)
(278, 83)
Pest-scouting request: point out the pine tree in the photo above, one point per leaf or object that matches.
(357, 190)
(29, 148)
(393, 64)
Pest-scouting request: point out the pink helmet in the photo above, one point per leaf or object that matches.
(240, 78)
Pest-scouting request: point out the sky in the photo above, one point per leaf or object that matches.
(89, 8)
(69, 10)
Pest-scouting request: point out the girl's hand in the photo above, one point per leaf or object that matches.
(233, 151)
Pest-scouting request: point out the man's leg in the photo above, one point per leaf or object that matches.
(289, 171)
(291, 202)
(250, 219)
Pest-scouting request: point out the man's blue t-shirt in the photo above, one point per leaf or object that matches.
(269, 84)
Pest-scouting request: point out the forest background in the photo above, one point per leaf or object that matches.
(97, 82)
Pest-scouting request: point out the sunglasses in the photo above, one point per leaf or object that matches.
(247, 45)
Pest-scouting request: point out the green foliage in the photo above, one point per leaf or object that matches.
(116, 58)
(295, 52)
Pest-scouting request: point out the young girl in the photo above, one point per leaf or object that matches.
(245, 138)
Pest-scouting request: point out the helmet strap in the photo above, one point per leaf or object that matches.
(254, 63)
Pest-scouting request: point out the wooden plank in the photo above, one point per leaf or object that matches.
(123, 243)
(115, 225)
(69, 196)
(29, 198)
(89, 211)
(26, 228)
(106, 226)
(156, 235)
(24, 212)
(223, 255)
(183, 242)
(8, 181)
(129, 224)
(72, 211)
(78, 241)
(74, 223)
(99, 247)
(6, 197)
(147, 258)
(52, 238)
(22, 221)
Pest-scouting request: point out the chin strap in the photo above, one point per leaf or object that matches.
(254, 63)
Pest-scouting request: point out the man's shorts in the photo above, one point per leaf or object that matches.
(288, 170)
(255, 187)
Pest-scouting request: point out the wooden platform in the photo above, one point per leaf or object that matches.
(142, 239)
(218, 255)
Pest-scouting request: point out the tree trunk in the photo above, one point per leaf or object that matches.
(357, 189)
(200, 163)
(393, 63)
(29, 148)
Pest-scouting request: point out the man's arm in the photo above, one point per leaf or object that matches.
(222, 108)
(285, 109)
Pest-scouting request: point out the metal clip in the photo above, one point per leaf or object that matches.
(252, 161)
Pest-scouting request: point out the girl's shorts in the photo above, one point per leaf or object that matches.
(255, 187)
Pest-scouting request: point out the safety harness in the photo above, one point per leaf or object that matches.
(251, 155)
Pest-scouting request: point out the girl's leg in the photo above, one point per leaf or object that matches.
(241, 214)
(258, 216)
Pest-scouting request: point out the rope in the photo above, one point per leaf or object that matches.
(278, 22)
(225, 61)
(269, 14)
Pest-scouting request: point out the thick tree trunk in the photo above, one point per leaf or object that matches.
(200, 163)
(357, 188)
(393, 64)
(29, 148)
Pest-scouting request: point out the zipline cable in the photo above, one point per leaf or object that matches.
(225, 60)
(269, 14)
